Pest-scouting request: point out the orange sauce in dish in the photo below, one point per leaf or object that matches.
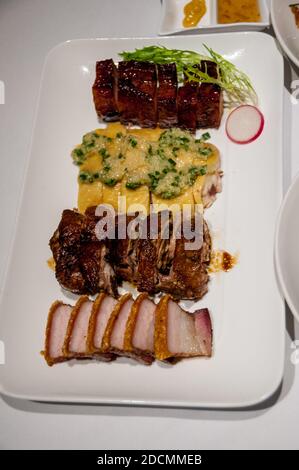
(222, 261)
(194, 11)
(238, 11)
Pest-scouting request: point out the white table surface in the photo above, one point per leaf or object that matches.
(28, 30)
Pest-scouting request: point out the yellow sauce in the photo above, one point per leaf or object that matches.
(238, 11)
(194, 11)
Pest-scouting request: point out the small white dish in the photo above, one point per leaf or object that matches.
(173, 14)
(286, 248)
(285, 28)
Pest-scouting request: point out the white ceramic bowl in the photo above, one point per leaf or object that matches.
(285, 28)
(287, 248)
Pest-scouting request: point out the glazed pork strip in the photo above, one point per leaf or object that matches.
(167, 96)
(179, 334)
(187, 102)
(76, 335)
(58, 319)
(209, 99)
(137, 93)
(104, 90)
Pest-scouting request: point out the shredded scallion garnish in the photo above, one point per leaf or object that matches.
(237, 84)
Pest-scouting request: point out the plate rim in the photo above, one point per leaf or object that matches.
(278, 256)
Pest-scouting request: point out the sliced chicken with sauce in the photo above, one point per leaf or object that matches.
(179, 334)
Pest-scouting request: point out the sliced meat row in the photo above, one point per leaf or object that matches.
(139, 329)
(146, 95)
(86, 265)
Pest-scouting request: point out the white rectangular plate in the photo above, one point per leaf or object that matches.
(247, 311)
(173, 14)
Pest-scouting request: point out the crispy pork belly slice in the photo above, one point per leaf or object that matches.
(179, 334)
(167, 95)
(187, 107)
(139, 335)
(57, 323)
(110, 337)
(76, 335)
(104, 90)
(118, 332)
(137, 87)
(209, 99)
(102, 308)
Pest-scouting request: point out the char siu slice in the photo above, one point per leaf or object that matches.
(58, 319)
(104, 90)
(76, 335)
(137, 90)
(167, 96)
(209, 99)
(179, 334)
(187, 106)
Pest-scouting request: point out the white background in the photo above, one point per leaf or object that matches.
(28, 30)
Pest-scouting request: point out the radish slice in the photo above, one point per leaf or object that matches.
(245, 124)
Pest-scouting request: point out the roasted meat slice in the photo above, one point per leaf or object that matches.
(167, 96)
(139, 336)
(137, 89)
(76, 334)
(179, 334)
(187, 106)
(118, 332)
(209, 99)
(104, 90)
(102, 308)
(81, 260)
(107, 328)
(147, 274)
(58, 319)
(111, 340)
(188, 276)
